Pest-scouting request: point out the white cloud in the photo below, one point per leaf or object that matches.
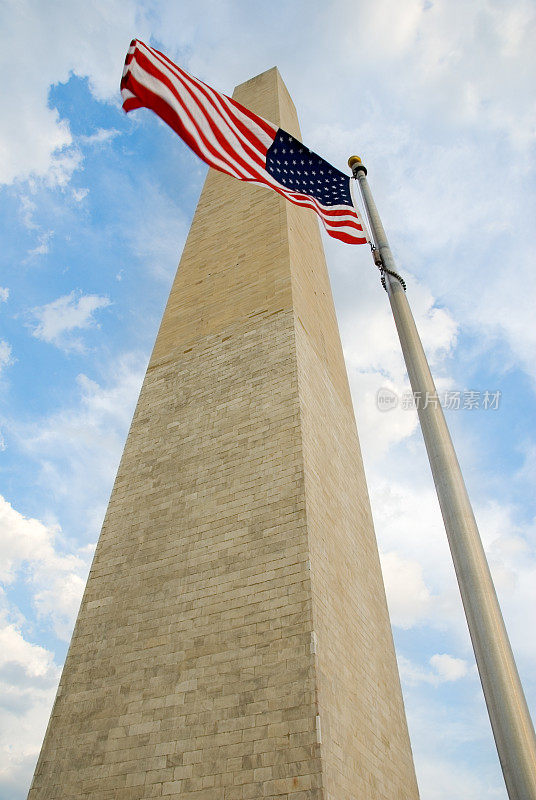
(442, 778)
(62, 166)
(100, 136)
(6, 358)
(419, 576)
(408, 596)
(449, 668)
(28, 548)
(31, 554)
(68, 445)
(34, 140)
(445, 669)
(22, 540)
(157, 236)
(512, 558)
(42, 248)
(14, 649)
(57, 320)
(475, 73)
(451, 739)
(27, 211)
(4, 294)
(60, 600)
(28, 680)
(79, 194)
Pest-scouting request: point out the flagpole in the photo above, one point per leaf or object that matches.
(507, 707)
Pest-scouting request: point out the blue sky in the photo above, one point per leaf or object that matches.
(438, 99)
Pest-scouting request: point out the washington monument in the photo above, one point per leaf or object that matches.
(233, 640)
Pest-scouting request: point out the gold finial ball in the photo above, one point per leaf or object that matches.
(353, 160)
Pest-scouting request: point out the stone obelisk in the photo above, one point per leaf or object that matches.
(233, 640)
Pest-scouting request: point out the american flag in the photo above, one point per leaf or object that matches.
(232, 139)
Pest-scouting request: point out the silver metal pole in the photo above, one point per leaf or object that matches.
(507, 707)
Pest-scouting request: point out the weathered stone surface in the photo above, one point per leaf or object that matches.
(233, 640)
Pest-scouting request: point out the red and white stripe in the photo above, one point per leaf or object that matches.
(223, 133)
